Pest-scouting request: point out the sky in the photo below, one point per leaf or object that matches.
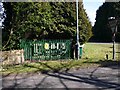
(0, 12)
(91, 6)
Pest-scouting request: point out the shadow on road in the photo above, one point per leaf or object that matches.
(88, 80)
(106, 63)
(72, 77)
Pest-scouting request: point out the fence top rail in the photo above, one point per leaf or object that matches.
(45, 40)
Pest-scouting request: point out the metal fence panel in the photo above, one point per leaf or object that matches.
(46, 49)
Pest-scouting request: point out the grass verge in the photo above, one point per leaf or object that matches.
(46, 66)
(93, 56)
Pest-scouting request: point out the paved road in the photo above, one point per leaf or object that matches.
(97, 77)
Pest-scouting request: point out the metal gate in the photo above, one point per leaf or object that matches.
(46, 49)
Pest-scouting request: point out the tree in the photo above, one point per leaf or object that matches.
(64, 15)
(43, 20)
(85, 26)
(24, 20)
(101, 30)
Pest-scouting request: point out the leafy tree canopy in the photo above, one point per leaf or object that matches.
(43, 20)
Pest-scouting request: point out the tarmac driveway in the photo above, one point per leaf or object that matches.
(95, 77)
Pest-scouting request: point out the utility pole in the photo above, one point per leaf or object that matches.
(77, 31)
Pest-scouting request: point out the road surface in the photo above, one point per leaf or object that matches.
(94, 77)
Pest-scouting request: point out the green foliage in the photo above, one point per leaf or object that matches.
(85, 25)
(101, 30)
(43, 20)
(24, 20)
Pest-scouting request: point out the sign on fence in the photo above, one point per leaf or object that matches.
(46, 49)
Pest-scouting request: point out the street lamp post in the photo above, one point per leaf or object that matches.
(113, 25)
(77, 31)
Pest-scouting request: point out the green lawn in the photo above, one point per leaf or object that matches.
(93, 55)
(99, 51)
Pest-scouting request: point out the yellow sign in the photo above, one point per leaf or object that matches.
(46, 46)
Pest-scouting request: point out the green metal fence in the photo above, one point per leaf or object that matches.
(46, 49)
